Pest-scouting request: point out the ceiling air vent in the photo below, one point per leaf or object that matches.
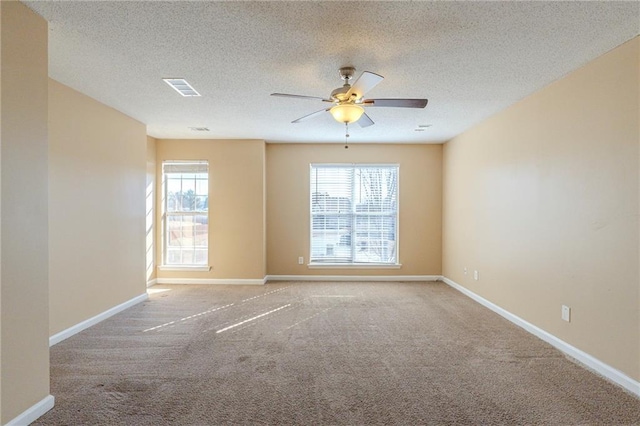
(199, 129)
(422, 127)
(181, 86)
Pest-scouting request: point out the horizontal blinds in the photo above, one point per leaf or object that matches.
(331, 210)
(185, 167)
(354, 213)
(331, 189)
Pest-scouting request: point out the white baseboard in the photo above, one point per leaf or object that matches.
(267, 278)
(582, 357)
(34, 412)
(65, 334)
(353, 277)
(236, 281)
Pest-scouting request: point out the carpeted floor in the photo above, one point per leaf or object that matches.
(321, 353)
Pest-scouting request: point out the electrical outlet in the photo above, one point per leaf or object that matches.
(476, 275)
(465, 270)
(301, 260)
(566, 313)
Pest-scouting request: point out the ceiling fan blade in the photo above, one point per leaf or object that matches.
(287, 95)
(313, 114)
(363, 84)
(397, 103)
(365, 121)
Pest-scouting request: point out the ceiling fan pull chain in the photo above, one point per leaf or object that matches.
(346, 136)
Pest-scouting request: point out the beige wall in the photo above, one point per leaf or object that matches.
(542, 199)
(236, 205)
(150, 211)
(23, 199)
(420, 203)
(0, 212)
(97, 173)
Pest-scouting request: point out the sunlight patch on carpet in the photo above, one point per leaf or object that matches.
(187, 318)
(253, 318)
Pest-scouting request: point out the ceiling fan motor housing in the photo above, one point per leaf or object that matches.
(346, 74)
(340, 94)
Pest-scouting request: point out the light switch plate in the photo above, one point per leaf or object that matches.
(566, 313)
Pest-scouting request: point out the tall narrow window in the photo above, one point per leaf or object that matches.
(186, 213)
(354, 214)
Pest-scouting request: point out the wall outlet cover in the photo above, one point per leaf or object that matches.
(566, 313)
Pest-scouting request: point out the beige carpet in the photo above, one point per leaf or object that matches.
(321, 353)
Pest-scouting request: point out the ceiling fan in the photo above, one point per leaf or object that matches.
(348, 101)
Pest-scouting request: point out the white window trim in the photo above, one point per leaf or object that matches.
(186, 267)
(354, 265)
(324, 265)
(193, 268)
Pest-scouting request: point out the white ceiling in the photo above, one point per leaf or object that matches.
(470, 59)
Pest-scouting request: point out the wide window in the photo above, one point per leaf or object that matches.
(186, 213)
(354, 214)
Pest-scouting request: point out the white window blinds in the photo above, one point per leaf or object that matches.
(354, 209)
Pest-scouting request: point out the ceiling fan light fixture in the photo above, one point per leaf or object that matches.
(347, 113)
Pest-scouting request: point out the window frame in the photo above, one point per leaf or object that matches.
(165, 214)
(353, 214)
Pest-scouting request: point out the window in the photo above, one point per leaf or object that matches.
(354, 214)
(186, 213)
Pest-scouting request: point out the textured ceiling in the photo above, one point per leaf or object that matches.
(470, 59)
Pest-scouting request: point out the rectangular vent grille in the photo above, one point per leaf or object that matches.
(181, 86)
(199, 129)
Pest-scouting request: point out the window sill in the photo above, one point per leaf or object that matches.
(354, 266)
(195, 268)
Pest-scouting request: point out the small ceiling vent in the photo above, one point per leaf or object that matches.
(199, 129)
(422, 127)
(181, 86)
